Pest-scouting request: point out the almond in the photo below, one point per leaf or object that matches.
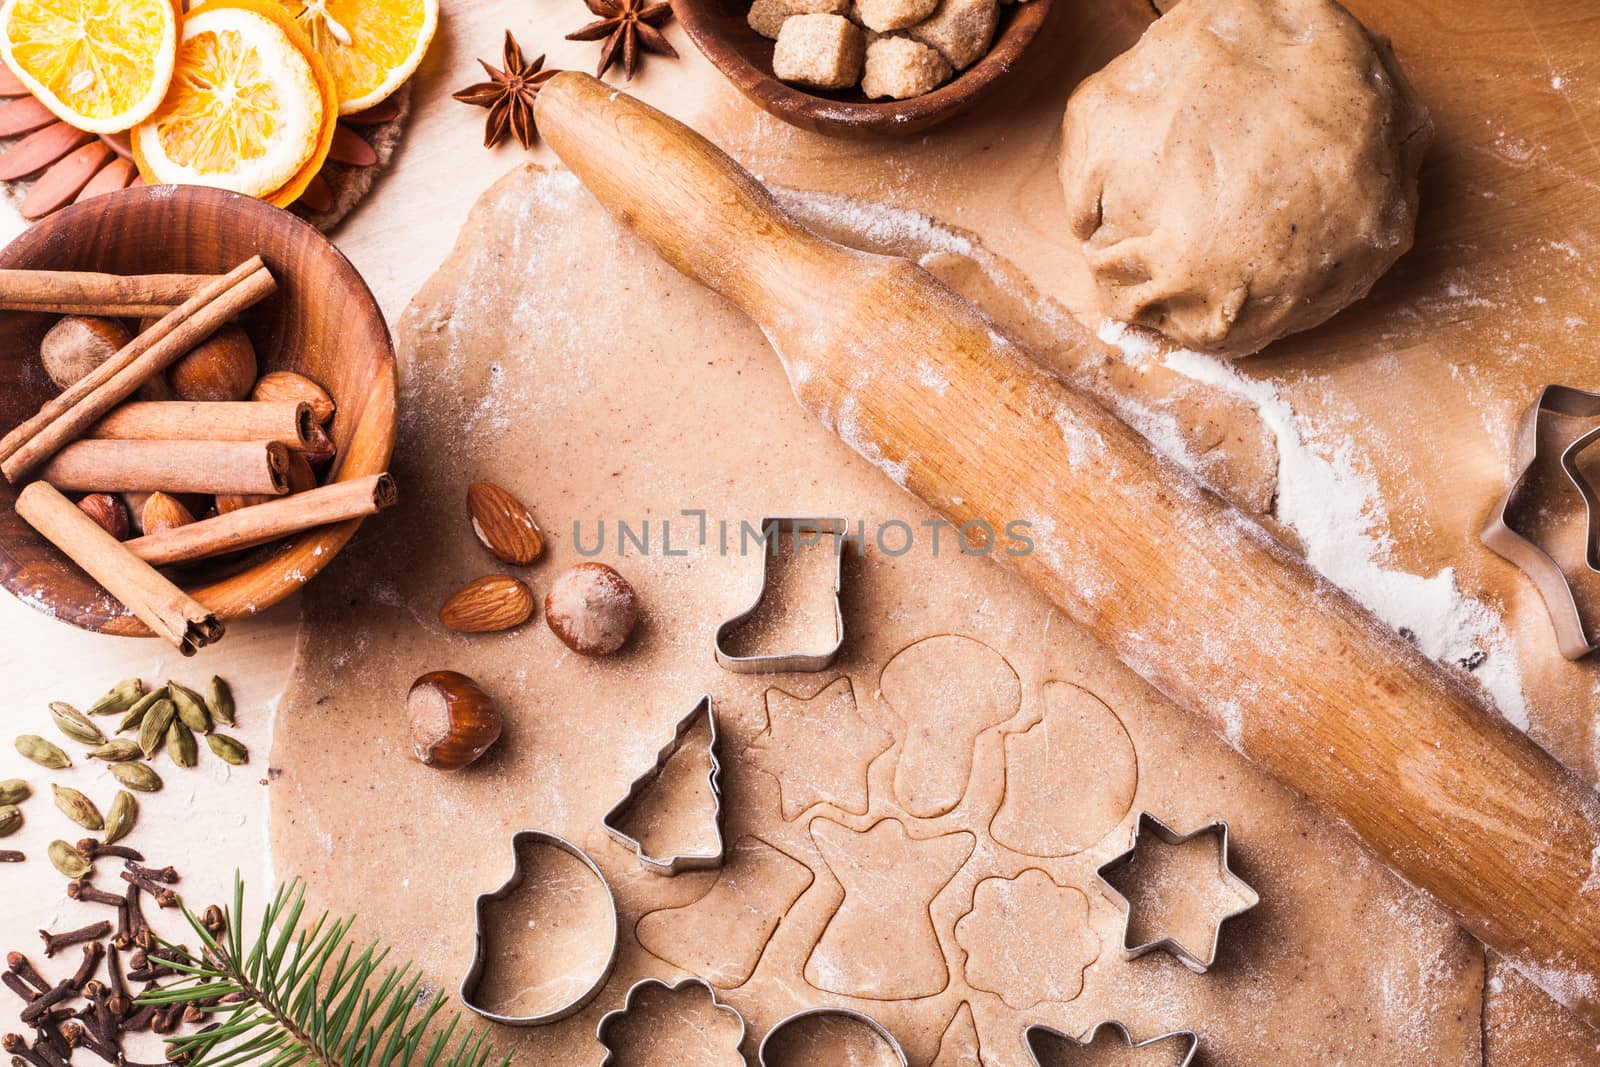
(493, 602)
(287, 385)
(108, 512)
(503, 524)
(163, 512)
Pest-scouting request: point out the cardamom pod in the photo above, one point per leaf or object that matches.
(140, 776)
(79, 808)
(191, 709)
(181, 747)
(136, 713)
(42, 752)
(119, 698)
(10, 819)
(153, 730)
(68, 860)
(221, 701)
(228, 750)
(121, 815)
(117, 750)
(75, 724)
(14, 791)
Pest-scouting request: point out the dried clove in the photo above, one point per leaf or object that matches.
(18, 986)
(94, 850)
(23, 968)
(89, 893)
(11, 855)
(120, 1001)
(54, 943)
(164, 897)
(167, 874)
(19, 1048)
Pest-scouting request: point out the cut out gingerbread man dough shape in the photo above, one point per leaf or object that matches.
(818, 748)
(945, 690)
(880, 944)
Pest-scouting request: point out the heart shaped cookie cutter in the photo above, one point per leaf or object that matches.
(1032, 1035)
(480, 950)
(801, 1017)
(676, 863)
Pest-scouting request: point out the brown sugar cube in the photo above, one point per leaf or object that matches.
(767, 16)
(959, 29)
(886, 15)
(900, 68)
(825, 51)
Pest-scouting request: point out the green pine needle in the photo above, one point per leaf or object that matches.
(303, 994)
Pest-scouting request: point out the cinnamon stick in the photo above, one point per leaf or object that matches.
(260, 523)
(169, 612)
(62, 292)
(182, 420)
(65, 418)
(171, 467)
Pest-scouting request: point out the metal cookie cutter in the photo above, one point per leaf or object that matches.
(1150, 824)
(1037, 1036)
(602, 1032)
(480, 950)
(692, 861)
(1572, 632)
(800, 1017)
(800, 529)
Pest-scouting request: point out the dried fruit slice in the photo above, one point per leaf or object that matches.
(102, 65)
(371, 46)
(251, 107)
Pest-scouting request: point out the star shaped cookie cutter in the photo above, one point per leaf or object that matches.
(1503, 538)
(773, 530)
(1149, 824)
(873, 1025)
(678, 862)
(602, 1030)
(1032, 1034)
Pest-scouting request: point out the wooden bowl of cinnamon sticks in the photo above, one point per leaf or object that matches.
(197, 397)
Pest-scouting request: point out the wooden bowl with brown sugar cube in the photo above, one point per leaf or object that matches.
(278, 420)
(863, 68)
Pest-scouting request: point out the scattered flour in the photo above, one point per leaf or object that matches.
(1335, 509)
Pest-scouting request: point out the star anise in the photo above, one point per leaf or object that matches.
(509, 95)
(627, 26)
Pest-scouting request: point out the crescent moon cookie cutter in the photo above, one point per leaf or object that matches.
(602, 1030)
(675, 863)
(481, 942)
(1154, 827)
(1503, 536)
(806, 1014)
(1037, 1034)
(805, 532)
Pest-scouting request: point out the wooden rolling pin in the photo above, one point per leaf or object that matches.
(1188, 591)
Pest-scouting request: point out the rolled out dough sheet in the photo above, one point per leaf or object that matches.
(912, 833)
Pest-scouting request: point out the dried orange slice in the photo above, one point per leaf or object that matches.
(251, 108)
(100, 65)
(372, 46)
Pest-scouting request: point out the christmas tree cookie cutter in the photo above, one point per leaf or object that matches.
(1503, 537)
(669, 865)
(481, 942)
(1038, 1035)
(804, 532)
(778, 1033)
(608, 1021)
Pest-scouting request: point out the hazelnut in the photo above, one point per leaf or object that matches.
(592, 609)
(108, 512)
(78, 344)
(222, 367)
(453, 722)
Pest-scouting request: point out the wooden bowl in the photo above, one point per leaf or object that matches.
(322, 322)
(719, 29)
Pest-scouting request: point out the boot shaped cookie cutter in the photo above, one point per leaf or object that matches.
(602, 1031)
(480, 951)
(805, 532)
(1031, 1035)
(835, 1013)
(1502, 536)
(1149, 824)
(691, 861)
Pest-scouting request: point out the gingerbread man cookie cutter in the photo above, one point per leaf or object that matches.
(800, 1018)
(608, 1021)
(1037, 1033)
(481, 942)
(801, 530)
(1503, 537)
(677, 863)
(1149, 824)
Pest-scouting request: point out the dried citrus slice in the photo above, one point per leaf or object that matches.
(251, 108)
(372, 46)
(100, 65)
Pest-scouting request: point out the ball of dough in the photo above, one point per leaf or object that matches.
(1245, 171)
